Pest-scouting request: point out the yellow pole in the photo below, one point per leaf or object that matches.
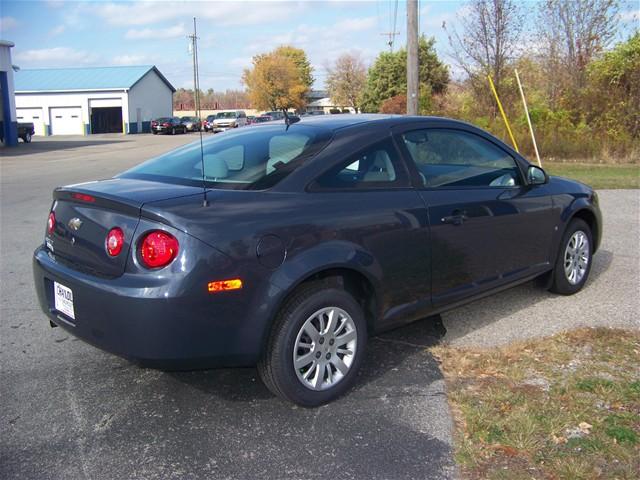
(504, 117)
(526, 110)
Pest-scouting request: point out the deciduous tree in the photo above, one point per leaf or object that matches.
(490, 38)
(346, 80)
(279, 79)
(387, 77)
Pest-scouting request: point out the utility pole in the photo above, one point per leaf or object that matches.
(196, 76)
(412, 57)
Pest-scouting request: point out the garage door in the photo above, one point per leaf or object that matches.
(33, 115)
(66, 121)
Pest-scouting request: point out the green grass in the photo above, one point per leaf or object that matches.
(596, 175)
(565, 407)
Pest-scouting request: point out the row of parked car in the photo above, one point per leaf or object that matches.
(218, 122)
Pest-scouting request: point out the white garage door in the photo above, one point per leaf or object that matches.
(33, 115)
(66, 121)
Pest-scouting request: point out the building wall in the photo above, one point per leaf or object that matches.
(148, 99)
(45, 101)
(7, 101)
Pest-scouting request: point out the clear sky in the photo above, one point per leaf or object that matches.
(68, 34)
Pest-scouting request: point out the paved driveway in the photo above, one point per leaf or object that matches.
(70, 411)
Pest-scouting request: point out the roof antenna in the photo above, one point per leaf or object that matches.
(196, 105)
(289, 120)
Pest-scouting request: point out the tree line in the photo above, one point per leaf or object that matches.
(583, 92)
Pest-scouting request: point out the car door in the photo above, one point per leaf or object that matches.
(368, 200)
(488, 227)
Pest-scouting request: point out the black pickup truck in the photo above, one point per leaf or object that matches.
(25, 131)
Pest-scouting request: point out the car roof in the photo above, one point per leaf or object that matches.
(338, 121)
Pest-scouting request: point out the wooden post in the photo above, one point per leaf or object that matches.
(526, 111)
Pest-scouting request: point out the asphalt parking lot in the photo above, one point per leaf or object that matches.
(71, 411)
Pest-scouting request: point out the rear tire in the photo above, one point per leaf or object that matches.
(575, 257)
(154, 132)
(322, 329)
(26, 138)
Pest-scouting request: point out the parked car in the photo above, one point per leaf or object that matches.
(288, 246)
(192, 124)
(169, 125)
(228, 119)
(275, 114)
(251, 119)
(26, 131)
(207, 123)
(263, 118)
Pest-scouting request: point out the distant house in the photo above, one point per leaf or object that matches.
(82, 101)
(320, 101)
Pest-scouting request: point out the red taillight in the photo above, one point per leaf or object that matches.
(114, 241)
(83, 197)
(51, 223)
(158, 249)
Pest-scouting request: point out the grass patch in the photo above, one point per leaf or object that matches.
(567, 406)
(596, 175)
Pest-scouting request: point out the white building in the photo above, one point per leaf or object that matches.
(320, 101)
(8, 123)
(81, 101)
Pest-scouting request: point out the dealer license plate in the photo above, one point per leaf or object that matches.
(63, 297)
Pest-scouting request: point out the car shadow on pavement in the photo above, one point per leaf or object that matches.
(386, 352)
(466, 320)
(51, 146)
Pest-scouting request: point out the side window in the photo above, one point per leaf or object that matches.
(378, 166)
(455, 158)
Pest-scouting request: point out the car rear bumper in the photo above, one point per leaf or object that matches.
(159, 326)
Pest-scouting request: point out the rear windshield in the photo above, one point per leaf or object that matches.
(163, 119)
(249, 159)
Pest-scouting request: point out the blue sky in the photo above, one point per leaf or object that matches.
(65, 33)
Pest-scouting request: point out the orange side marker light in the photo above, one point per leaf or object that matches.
(223, 285)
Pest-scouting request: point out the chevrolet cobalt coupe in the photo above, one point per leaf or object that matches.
(286, 246)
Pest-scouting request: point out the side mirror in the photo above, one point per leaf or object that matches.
(536, 176)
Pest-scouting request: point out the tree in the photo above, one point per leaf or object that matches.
(346, 80)
(574, 33)
(279, 79)
(387, 77)
(491, 34)
(618, 74)
(299, 58)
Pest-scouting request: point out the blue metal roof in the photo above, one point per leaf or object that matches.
(93, 78)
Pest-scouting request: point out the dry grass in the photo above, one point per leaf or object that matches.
(565, 407)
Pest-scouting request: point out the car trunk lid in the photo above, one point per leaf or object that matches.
(85, 214)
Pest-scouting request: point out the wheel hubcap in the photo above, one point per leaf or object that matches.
(325, 348)
(576, 257)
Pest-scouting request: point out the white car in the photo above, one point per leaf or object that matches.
(229, 119)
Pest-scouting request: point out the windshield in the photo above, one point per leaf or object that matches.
(248, 159)
(226, 115)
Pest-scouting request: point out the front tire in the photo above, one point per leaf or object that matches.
(574, 260)
(316, 346)
(173, 130)
(26, 138)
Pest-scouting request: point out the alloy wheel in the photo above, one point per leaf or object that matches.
(325, 348)
(576, 257)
